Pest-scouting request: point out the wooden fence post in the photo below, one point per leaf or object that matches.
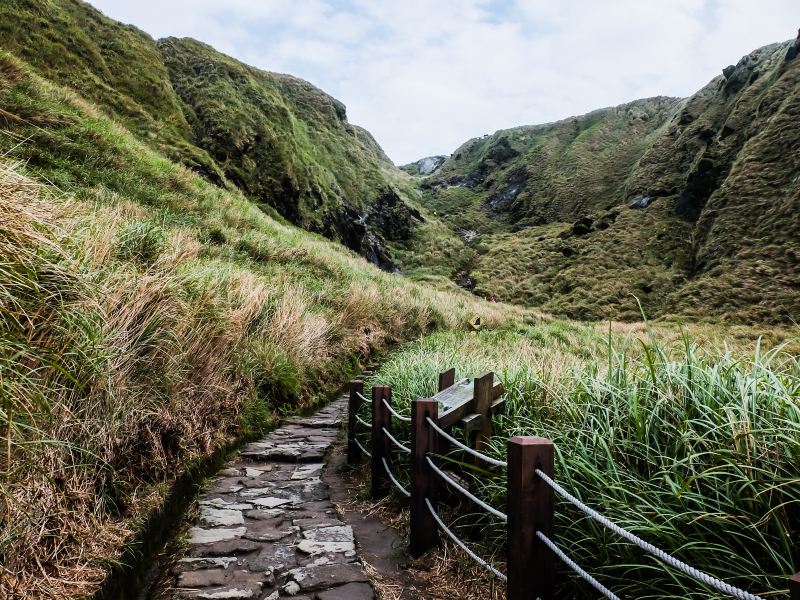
(353, 405)
(794, 586)
(446, 379)
(424, 530)
(483, 405)
(530, 509)
(381, 418)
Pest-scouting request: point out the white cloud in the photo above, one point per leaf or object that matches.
(426, 76)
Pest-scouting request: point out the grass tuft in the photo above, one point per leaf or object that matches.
(692, 447)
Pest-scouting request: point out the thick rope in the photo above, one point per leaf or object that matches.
(647, 547)
(405, 449)
(364, 450)
(463, 546)
(574, 566)
(363, 397)
(394, 481)
(488, 508)
(363, 422)
(465, 448)
(394, 413)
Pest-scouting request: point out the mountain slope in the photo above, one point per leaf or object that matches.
(116, 67)
(287, 144)
(283, 142)
(544, 173)
(688, 205)
(149, 318)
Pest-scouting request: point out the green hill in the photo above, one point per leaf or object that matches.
(150, 317)
(690, 205)
(284, 143)
(158, 302)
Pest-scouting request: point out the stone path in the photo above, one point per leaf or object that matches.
(267, 528)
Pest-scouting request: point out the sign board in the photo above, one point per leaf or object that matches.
(475, 323)
(457, 402)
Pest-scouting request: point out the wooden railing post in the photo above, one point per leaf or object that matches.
(446, 379)
(424, 530)
(354, 403)
(794, 586)
(530, 509)
(381, 418)
(483, 404)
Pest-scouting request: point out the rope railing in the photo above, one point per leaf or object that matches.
(364, 450)
(462, 545)
(488, 508)
(718, 584)
(464, 447)
(394, 413)
(533, 555)
(394, 440)
(575, 567)
(394, 480)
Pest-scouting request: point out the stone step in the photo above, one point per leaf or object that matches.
(266, 528)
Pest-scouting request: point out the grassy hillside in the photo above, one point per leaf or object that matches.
(541, 174)
(150, 317)
(287, 144)
(117, 67)
(689, 444)
(284, 143)
(689, 205)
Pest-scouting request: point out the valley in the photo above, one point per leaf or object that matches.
(193, 250)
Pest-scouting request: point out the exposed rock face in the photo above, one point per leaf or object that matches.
(429, 164)
(642, 201)
(794, 49)
(392, 217)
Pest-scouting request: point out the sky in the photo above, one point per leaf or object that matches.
(424, 76)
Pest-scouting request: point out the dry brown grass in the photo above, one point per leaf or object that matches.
(130, 369)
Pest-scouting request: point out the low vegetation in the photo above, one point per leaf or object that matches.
(158, 304)
(150, 318)
(691, 444)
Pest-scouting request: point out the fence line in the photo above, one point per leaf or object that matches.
(364, 450)
(646, 546)
(394, 413)
(394, 480)
(530, 490)
(393, 439)
(488, 508)
(575, 567)
(465, 448)
(462, 545)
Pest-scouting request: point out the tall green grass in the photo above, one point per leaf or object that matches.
(148, 318)
(695, 449)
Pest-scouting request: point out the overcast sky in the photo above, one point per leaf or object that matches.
(424, 76)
